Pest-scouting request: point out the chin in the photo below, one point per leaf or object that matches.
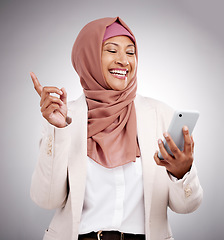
(118, 85)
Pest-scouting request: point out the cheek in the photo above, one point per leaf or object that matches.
(102, 63)
(105, 72)
(105, 63)
(133, 66)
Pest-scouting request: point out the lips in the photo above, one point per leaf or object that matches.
(119, 73)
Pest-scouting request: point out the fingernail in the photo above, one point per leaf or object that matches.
(159, 141)
(165, 135)
(185, 128)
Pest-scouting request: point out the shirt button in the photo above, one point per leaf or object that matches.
(188, 191)
(50, 138)
(49, 152)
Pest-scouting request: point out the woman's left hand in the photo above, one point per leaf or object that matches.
(181, 161)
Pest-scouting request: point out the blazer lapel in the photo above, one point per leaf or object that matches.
(77, 168)
(146, 130)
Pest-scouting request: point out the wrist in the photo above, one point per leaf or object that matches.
(179, 175)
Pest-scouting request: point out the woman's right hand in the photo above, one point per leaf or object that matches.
(54, 109)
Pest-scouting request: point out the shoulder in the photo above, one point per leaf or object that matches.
(151, 103)
(79, 103)
(146, 107)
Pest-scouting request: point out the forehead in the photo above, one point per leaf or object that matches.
(120, 41)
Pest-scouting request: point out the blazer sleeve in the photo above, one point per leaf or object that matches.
(185, 195)
(49, 184)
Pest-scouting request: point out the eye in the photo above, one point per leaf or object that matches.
(112, 51)
(131, 53)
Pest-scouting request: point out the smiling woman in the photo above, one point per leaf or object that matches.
(118, 62)
(96, 164)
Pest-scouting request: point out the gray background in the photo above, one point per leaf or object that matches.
(181, 59)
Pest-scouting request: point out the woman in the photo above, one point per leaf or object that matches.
(96, 162)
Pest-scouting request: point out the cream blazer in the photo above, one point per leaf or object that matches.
(59, 178)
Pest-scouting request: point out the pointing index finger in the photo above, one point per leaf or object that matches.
(36, 83)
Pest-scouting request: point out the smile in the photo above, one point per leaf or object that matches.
(119, 73)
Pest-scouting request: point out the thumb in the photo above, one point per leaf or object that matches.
(63, 97)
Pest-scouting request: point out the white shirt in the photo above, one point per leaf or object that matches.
(113, 199)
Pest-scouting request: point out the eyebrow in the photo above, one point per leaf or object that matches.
(130, 45)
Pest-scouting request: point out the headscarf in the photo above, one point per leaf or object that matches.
(112, 128)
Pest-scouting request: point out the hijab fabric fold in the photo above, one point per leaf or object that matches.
(112, 128)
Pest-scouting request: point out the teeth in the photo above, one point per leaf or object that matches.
(121, 72)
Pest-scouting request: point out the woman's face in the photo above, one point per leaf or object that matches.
(118, 62)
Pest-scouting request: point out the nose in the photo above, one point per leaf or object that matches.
(122, 59)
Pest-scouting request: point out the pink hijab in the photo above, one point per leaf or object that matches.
(112, 130)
